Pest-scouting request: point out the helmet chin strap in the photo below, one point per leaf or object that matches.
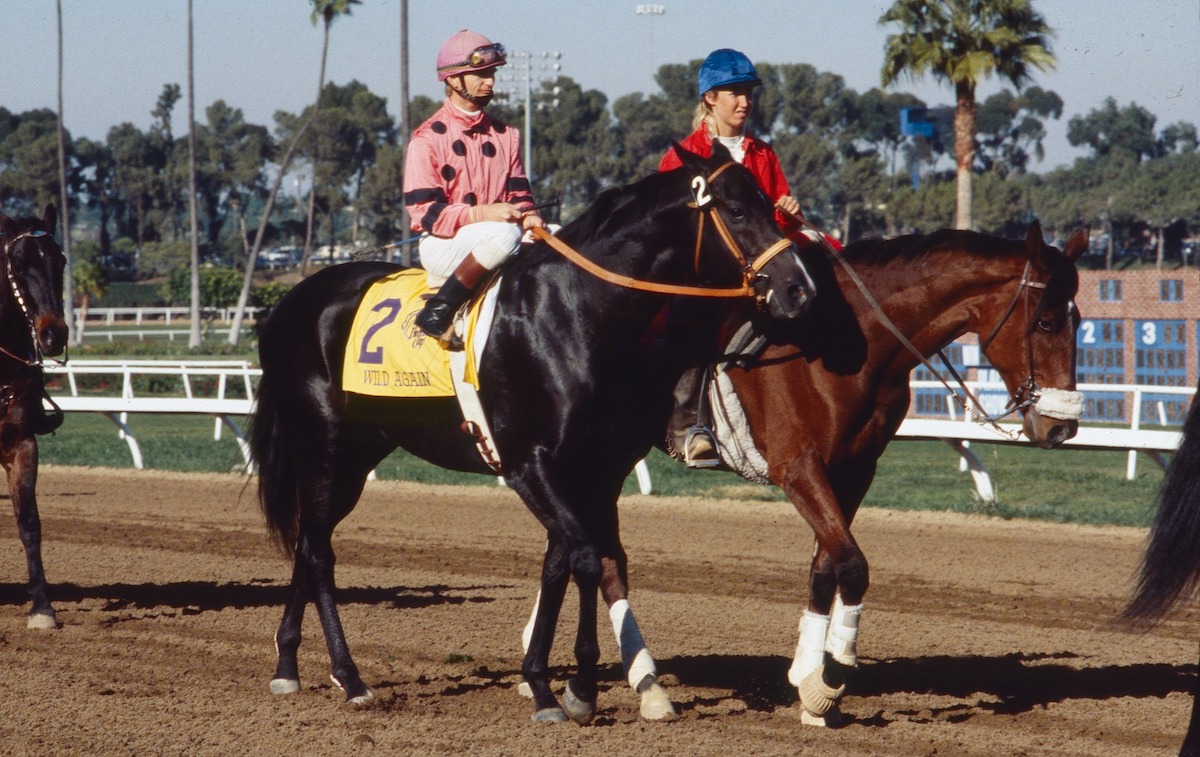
(461, 91)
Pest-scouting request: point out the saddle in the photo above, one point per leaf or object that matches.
(387, 355)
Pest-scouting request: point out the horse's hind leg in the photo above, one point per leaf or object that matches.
(536, 667)
(313, 577)
(287, 637)
(21, 466)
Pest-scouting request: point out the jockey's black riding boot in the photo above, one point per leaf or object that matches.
(437, 317)
(43, 423)
(687, 439)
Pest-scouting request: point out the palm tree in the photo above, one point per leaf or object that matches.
(194, 337)
(964, 42)
(326, 10)
(64, 209)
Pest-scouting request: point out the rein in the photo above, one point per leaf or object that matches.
(970, 403)
(704, 202)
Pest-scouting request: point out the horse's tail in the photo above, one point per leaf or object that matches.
(1171, 565)
(278, 496)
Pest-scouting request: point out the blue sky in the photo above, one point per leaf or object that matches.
(263, 55)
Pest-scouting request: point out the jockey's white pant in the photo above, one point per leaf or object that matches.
(493, 242)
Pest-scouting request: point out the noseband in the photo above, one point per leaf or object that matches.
(703, 200)
(20, 298)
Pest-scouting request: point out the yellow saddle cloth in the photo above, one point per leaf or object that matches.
(386, 354)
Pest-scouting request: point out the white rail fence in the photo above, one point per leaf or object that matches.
(164, 315)
(229, 411)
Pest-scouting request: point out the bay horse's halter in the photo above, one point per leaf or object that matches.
(1025, 395)
(20, 298)
(704, 202)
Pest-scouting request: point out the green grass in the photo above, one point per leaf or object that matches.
(1058, 485)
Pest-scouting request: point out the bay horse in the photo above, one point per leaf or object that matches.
(822, 404)
(576, 382)
(1170, 567)
(32, 326)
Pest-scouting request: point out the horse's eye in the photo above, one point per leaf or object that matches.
(738, 212)
(1045, 325)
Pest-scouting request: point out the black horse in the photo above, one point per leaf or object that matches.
(577, 381)
(1171, 565)
(31, 326)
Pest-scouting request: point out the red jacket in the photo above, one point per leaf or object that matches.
(760, 159)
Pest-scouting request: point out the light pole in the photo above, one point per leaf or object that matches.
(522, 76)
(652, 10)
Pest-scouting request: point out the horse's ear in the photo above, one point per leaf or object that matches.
(49, 217)
(690, 160)
(1034, 241)
(721, 152)
(1077, 244)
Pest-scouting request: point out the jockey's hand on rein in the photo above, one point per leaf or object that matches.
(499, 212)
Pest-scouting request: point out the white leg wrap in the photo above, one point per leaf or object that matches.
(527, 634)
(810, 650)
(842, 641)
(634, 656)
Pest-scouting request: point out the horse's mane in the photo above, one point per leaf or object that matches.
(1064, 280)
(608, 212)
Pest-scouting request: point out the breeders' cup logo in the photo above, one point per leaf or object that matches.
(415, 335)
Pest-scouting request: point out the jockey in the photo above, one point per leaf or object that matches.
(465, 186)
(726, 84)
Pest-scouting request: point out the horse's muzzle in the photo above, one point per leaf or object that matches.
(789, 290)
(51, 335)
(1047, 432)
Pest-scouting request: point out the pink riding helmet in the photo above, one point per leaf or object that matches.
(468, 51)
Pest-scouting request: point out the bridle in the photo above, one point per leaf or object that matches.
(1025, 395)
(1027, 392)
(11, 275)
(704, 202)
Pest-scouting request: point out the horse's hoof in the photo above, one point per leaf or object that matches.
(550, 715)
(363, 695)
(656, 705)
(42, 621)
(284, 686)
(818, 697)
(525, 690)
(581, 711)
(831, 719)
(361, 699)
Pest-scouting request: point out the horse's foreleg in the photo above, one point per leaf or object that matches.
(827, 649)
(636, 660)
(21, 467)
(535, 668)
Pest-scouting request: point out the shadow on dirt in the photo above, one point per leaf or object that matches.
(1003, 685)
(205, 595)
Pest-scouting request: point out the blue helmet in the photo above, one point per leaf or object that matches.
(724, 67)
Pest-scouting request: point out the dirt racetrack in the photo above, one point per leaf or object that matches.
(981, 636)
